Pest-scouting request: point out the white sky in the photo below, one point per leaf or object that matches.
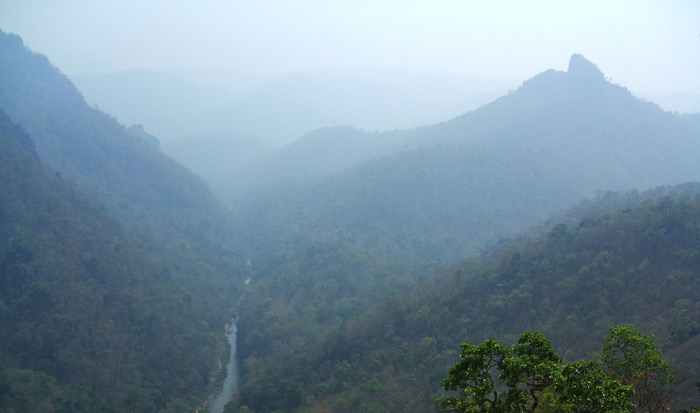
(643, 45)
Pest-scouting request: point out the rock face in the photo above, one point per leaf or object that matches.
(581, 68)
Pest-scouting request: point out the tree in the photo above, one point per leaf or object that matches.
(531, 377)
(633, 358)
(584, 387)
(475, 380)
(534, 367)
(521, 375)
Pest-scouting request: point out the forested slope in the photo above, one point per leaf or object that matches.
(623, 258)
(120, 295)
(90, 320)
(326, 251)
(150, 193)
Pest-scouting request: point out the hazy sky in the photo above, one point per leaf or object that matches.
(643, 45)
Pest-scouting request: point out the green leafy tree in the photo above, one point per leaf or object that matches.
(584, 387)
(476, 380)
(490, 377)
(533, 368)
(530, 377)
(633, 358)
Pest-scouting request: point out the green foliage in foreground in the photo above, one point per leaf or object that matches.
(631, 376)
(634, 359)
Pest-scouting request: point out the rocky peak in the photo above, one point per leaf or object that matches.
(581, 68)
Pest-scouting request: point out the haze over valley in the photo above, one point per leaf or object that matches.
(368, 207)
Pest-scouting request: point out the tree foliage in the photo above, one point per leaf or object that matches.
(473, 376)
(634, 359)
(530, 377)
(584, 387)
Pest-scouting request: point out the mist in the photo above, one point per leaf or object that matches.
(255, 206)
(644, 45)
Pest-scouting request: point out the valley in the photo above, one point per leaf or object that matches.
(349, 259)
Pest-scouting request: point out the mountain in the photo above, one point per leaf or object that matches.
(278, 109)
(313, 156)
(628, 258)
(215, 156)
(578, 114)
(489, 173)
(327, 249)
(219, 132)
(168, 106)
(152, 194)
(92, 320)
(171, 266)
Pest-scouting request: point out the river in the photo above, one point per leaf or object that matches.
(231, 381)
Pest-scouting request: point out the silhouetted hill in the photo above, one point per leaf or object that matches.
(491, 172)
(580, 116)
(311, 157)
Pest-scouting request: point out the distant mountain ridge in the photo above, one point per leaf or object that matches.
(311, 157)
(576, 113)
(281, 108)
(559, 137)
(329, 247)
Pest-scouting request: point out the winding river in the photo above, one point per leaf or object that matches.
(231, 381)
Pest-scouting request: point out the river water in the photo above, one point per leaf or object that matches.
(231, 381)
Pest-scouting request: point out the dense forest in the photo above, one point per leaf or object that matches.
(356, 263)
(621, 258)
(120, 268)
(330, 246)
(88, 315)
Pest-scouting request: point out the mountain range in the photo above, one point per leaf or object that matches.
(331, 243)
(367, 256)
(445, 189)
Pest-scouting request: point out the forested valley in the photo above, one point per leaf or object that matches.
(560, 217)
(118, 264)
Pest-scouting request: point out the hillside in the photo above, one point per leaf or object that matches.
(621, 258)
(154, 197)
(280, 108)
(165, 279)
(91, 320)
(326, 251)
(450, 187)
(309, 158)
